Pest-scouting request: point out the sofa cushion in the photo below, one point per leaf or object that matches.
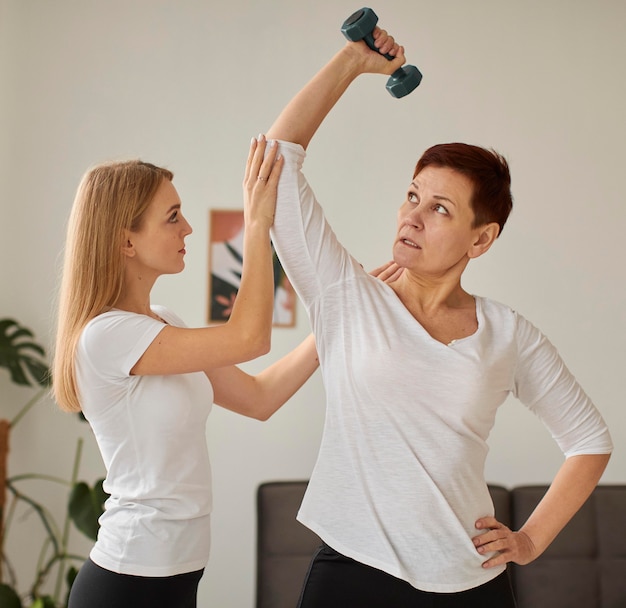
(585, 566)
(284, 545)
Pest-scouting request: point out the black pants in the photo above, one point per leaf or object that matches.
(336, 581)
(96, 587)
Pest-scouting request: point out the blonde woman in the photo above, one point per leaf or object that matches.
(146, 383)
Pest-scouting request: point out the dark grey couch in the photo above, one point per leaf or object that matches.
(585, 567)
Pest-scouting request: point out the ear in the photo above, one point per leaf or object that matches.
(128, 249)
(486, 236)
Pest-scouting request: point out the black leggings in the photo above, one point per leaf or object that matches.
(336, 581)
(96, 587)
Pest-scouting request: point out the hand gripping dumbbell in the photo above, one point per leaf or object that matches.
(359, 26)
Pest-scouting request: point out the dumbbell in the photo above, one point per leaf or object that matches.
(359, 26)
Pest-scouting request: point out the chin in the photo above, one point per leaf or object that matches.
(177, 270)
(400, 258)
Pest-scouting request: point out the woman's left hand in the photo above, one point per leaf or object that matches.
(510, 546)
(260, 182)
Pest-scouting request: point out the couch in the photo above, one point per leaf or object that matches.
(585, 567)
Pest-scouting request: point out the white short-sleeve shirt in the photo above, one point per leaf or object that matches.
(151, 433)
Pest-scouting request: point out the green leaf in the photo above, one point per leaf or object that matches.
(85, 507)
(44, 602)
(70, 577)
(24, 358)
(8, 597)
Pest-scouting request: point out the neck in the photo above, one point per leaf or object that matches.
(136, 293)
(430, 294)
(442, 307)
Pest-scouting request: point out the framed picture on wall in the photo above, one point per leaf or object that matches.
(225, 263)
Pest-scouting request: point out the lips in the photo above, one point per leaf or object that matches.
(410, 243)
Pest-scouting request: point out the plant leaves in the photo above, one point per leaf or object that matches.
(85, 507)
(24, 358)
(70, 577)
(8, 597)
(44, 601)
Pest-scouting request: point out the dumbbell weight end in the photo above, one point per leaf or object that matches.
(403, 81)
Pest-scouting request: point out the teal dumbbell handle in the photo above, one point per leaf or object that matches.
(360, 26)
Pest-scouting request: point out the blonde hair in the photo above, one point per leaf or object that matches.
(111, 199)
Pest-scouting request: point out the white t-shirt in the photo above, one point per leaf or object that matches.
(399, 480)
(151, 434)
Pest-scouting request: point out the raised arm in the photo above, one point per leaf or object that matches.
(247, 333)
(301, 118)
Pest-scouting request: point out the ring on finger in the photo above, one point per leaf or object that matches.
(263, 179)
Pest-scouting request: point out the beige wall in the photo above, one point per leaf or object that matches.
(187, 83)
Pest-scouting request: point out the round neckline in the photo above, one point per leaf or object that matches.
(157, 316)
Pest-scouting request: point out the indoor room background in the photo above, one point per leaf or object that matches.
(187, 83)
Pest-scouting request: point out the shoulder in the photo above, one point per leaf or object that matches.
(495, 312)
(105, 322)
(499, 311)
(114, 341)
(118, 329)
(507, 321)
(169, 316)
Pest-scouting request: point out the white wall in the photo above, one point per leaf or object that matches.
(187, 83)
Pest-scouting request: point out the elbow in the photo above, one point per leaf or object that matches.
(253, 337)
(605, 459)
(266, 406)
(259, 345)
(260, 410)
(263, 415)
(266, 345)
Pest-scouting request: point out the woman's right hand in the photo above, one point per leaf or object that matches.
(388, 272)
(374, 62)
(260, 182)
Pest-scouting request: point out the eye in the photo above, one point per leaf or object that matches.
(439, 208)
(412, 197)
(173, 218)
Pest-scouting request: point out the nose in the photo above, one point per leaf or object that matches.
(412, 216)
(186, 227)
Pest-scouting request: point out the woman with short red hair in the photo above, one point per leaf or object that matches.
(415, 371)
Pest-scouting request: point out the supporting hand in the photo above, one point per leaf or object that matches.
(260, 182)
(510, 546)
(388, 272)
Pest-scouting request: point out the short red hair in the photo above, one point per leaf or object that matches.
(488, 171)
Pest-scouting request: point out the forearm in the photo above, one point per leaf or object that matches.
(279, 382)
(261, 395)
(253, 307)
(250, 321)
(301, 118)
(573, 484)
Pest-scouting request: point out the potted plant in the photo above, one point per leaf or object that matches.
(25, 361)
